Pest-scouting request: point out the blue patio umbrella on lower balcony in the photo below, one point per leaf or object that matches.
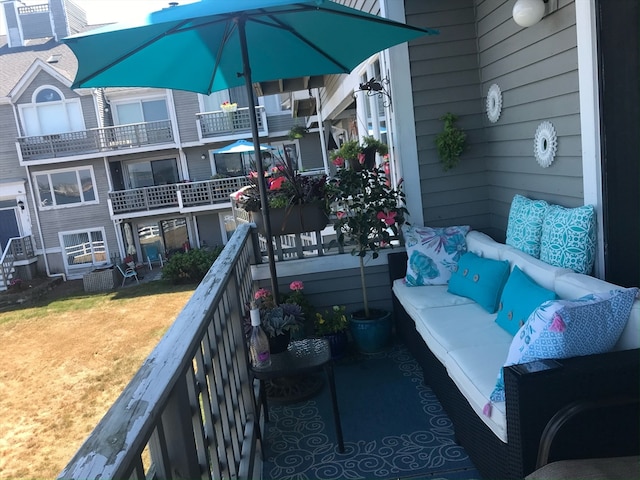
(214, 45)
(241, 146)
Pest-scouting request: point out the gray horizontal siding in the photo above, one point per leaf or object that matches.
(78, 217)
(187, 106)
(537, 71)
(445, 78)
(9, 167)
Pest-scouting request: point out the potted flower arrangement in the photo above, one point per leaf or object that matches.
(298, 203)
(228, 107)
(369, 213)
(359, 156)
(278, 321)
(332, 324)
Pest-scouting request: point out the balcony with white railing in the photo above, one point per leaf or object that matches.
(178, 197)
(107, 140)
(221, 125)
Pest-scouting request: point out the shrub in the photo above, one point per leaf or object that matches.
(191, 266)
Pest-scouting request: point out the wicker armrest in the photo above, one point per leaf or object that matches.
(536, 391)
(571, 412)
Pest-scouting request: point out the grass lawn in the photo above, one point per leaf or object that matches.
(66, 360)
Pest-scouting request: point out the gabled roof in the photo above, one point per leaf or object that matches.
(15, 62)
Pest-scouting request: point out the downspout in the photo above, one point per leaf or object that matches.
(44, 248)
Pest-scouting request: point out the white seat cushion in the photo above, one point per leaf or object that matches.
(449, 328)
(474, 371)
(414, 299)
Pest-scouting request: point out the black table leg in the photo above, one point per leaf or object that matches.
(334, 404)
(263, 401)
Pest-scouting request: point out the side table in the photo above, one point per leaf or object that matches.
(302, 356)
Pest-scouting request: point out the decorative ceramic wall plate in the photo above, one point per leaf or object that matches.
(494, 103)
(545, 144)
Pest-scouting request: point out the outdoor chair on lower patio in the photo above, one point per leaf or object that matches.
(127, 272)
(154, 256)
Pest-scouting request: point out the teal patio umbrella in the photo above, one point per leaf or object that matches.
(218, 44)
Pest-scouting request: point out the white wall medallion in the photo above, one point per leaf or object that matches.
(494, 103)
(545, 144)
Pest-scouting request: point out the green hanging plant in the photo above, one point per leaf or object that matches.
(451, 142)
(297, 131)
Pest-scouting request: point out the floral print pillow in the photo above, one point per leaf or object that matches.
(433, 253)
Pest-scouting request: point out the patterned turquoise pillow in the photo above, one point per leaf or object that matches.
(520, 296)
(433, 253)
(570, 328)
(524, 228)
(569, 238)
(480, 279)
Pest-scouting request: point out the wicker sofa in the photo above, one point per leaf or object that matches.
(504, 444)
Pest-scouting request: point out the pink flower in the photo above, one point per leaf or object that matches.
(361, 158)
(388, 218)
(276, 184)
(386, 156)
(262, 293)
(253, 174)
(557, 325)
(296, 285)
(340, 214)
(338, 162)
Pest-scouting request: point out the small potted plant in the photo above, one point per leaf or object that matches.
(358, 156)
(228, 107)
(369, 214)
(278, 321)
(297, 132)
(332, 324)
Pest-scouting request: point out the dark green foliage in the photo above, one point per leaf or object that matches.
(451, 142)
(191, 266)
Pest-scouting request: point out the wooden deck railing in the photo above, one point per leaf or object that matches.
(95, 140)
(214, 124)
(189, 412)
(181, 196)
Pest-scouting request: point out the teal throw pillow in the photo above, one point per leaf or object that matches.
(569, 238)
(524, 227)
(570, 328)
(433, 253)
(480, 279)
(520, 296)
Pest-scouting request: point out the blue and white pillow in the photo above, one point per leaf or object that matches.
(569, 328)
(569, 238)
(524, 228)
(433, 253)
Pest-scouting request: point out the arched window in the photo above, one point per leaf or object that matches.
(46, 95)
(50, 113)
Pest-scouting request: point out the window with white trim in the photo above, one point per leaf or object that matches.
(82, 248)
(50, 113)
(65, 187)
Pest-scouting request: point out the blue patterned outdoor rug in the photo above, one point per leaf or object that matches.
(393, 426)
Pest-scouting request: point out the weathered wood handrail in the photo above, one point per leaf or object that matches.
(192, 403)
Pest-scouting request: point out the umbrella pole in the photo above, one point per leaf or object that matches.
(256, 148)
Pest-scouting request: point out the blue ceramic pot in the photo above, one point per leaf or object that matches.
(371, 335)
